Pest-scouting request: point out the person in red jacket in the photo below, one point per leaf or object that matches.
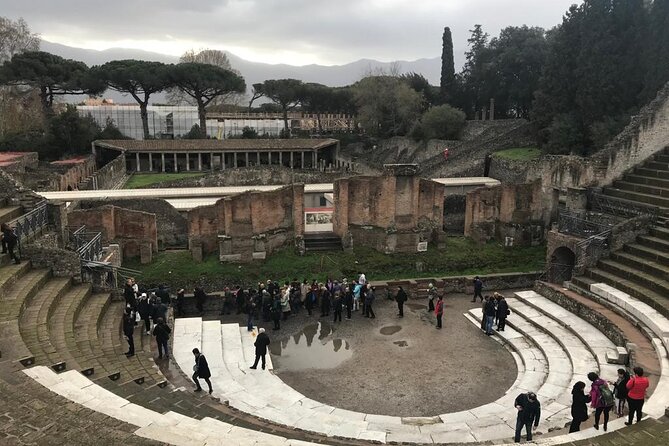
(439, 310)
(636, 392)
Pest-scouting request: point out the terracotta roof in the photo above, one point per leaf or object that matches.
(77, 160)
(214, 145)
(9, 156)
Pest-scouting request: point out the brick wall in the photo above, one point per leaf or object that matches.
(107, 177)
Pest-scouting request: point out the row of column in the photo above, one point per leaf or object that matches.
(302, 157)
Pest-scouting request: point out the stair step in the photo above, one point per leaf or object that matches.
(645, 265)
(583, 282)
(637, 196)
(641, 188)
(662, 157)
(653, 242)
(648, 253)
(651, 181)
(659, 232)
(649, 297)
(654, 173)
(644, 279)
(657, 165)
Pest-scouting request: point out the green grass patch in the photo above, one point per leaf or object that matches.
(461, 257)
(519, 153)
(140, 180)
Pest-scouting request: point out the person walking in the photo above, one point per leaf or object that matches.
(502, 312)
(336, 305)
(489, 312)
(162, 333)
(9, 242)
(579, 406)
(369, 303)
(439, 311)
(180, 302)
(128, 331)
(261, 343)
(529, 412)
(200, 297)
(145, 309)
(201, 371)
(601, 399)
(400, 298)
(636, 392)
(431, 295)
(478, 289)
(620, 390)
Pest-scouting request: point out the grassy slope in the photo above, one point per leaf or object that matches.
(519, 154)
(138, 181)
(461, 257)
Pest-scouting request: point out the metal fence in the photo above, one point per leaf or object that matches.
(575, 224)
(31, 224)
(620, 208)
(105, 276)
(596, 245)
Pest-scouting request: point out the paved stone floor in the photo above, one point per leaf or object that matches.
(417, 371)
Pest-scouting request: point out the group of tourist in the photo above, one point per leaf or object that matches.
(150, 308)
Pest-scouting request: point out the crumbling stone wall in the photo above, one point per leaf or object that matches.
(47, 252)
(14, 193)
(518, 214)
(108, 176)
(135, 231)
(172, 226)
(391, 213)
(247, 226)
(22, 162)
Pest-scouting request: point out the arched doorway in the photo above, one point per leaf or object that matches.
(562, 265)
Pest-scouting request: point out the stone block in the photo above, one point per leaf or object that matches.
(230, 258)
(259, 255)
(145, 253)
(196, 253)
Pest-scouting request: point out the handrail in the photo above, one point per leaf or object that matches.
(30, 223)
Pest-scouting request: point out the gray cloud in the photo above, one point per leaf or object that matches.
(338, 32)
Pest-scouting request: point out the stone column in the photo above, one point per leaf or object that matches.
(150, 162)
(247, 158)
(199, 161)
(314, 160)
(234, 157)
(291, 160)
(176, 164)
(258, 155)
(211, 161)
(222, 160)
(187, 162)
(137, 159)
(302, 162)
(280, 158)
(162, 161)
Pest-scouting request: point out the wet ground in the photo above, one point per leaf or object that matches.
(390, 365)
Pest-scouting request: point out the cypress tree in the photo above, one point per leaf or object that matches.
(447, 63)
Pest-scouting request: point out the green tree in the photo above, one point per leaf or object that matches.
(51, 75)
(194, 133)
(421, 85)
(447, 64)
(442, 122)
(70, 133)
(476, 73)
(138, 78)
(386, 105)
(318, 99)
(204, 83)
(286, 93)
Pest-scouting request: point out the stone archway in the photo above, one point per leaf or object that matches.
(562, 264)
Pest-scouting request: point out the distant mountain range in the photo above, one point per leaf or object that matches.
(254, 72)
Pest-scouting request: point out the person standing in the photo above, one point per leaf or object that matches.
(439, 311)
(9, 242)
(478, 289)
(579, 406)
(200, 297)
(357, 290)
(489, 312)
(636, 392)
(400, 299)
(129, 295)
(261, 343)
(162, 333)
(180, 302)
(325, 301)
(502, 312)
(145, 310)
(601, 399)
(201, 370)
(362, 279)
(529, 412)
(276, 312)
(369, 302)
(431, 295)
(337, 303)
(348, 301)
(620, 390)
(159, 310)
(285, 302)
(128, 331)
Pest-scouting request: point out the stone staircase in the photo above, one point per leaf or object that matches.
(641, 268)
(322, 241)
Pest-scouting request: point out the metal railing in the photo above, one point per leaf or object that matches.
(619, 207)
(106, 276)
(30, 224)
(574, 224)
(556, 273)
(596, 245)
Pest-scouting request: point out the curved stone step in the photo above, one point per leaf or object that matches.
(61, 324)
(84, 337)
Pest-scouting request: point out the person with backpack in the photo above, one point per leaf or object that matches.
(529, 412)
(162, 333)
(620, 390)
(579, 406)
(636, 393)
(601, 399)
(9, 242)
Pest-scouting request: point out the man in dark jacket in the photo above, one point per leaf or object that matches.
(180, 302)
(337, 304)
(502, 313)
(325, 302)
(369, 302)
(400, 299)
(162, 333)
(159, 311)
(128, 330)
(145, 309)
(529, 412)
(9, 241)
(201, 369)
(478, 289)
(200, 297)
(489, 312)
(262, 341)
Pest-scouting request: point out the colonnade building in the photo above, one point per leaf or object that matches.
(186, 155)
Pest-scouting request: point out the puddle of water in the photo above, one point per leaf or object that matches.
(401, 343)
(308, 350)
(390, 330)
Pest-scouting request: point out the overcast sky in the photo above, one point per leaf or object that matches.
(296, 32)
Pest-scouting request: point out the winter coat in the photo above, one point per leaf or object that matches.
(145, 308)
(401, 296)
(202, 367)
(594, 393)
(369, 299)
(636, 387)
(439, 308)
(162, 332)
(489, 308)
(261, 343)
(531, 409)
(128, 324)
(620, 388)
(579, 408)
(502, 309)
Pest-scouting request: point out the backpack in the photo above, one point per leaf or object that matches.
(605, 396)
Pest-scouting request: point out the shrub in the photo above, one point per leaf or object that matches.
(442, 122)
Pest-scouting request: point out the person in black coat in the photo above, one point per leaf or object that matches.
(579, 406)
(200, 297)
(489, 311)
(400, 299)
(502, 313)
(128, 331)
(348, 301)
(529, 413)
(145, 309)
(262, 341)
(337, 303)
(180, 302)
(325, 302)
(201, 369)
(158, 310)
(162, 333)
(9, 242)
